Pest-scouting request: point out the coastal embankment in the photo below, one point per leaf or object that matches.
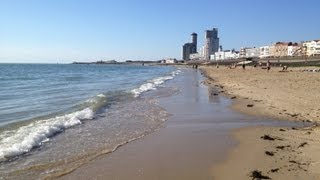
(269, 152)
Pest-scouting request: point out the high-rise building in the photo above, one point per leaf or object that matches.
(211, 43)
(190, 48)
(194, 41)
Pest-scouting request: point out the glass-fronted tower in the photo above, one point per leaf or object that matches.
(211, 43)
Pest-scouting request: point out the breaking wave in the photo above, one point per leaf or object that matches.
(25, 138)
(153, 84)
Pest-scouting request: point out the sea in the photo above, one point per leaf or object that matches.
(56, 117)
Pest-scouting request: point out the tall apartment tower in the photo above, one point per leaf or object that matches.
(194, 41)
(190, 48)
(211, 43)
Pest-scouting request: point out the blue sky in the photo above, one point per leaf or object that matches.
(51, 31)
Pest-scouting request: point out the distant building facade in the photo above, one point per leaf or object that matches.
(312, 48)
(190, 48)
(294, 49)
(169, 61)
(264, 51)
(279, 49)
(252, 52)
(225, 55)
(211, 43)
(243, 52)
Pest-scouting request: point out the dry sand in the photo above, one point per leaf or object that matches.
(292, 95)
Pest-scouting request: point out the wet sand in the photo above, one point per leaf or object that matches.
(291, 153)
(195, 137)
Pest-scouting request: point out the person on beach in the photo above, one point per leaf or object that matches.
(243, 66)
(268, 65)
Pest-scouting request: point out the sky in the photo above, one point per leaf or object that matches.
(63, 31)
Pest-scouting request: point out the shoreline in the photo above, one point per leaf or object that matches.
(292, 157)
(196, 136)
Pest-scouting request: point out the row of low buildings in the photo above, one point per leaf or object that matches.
(283, 49)
(275, 50)
(212, 51)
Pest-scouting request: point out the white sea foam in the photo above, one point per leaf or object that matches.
(153, 84)
(23, 139)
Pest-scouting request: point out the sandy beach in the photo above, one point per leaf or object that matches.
(276, 153)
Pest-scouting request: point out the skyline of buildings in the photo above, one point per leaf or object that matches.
(212, 50)
(189, 50)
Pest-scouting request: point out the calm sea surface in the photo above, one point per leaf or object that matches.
(55, 117)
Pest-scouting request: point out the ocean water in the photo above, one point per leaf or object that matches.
(54, 118)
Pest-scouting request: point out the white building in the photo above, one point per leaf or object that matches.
(264, 51)
(225, 55)
(312, 48)
(195, 57)
(169, 61)
(294, 50)
(198, 56)
(252, 52)
(243, 51)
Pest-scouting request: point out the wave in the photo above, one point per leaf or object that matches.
(153, 84)
(22, 140)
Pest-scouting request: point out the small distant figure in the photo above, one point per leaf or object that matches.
(196, 66)
(243, 66)
(142, 64)
(217, 66)
(268, 65)
(284, 68)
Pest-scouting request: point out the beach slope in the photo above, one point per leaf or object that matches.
(268, 152)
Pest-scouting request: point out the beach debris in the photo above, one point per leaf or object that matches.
(298, 163)
(311, 70)
(293, 115)
(282, 130)
(234, 97)
(302, 144)
(250, 105)
(274, 170)
(282, 147)
(257, 100)
(269, 153)
(215, 94)
(258, 175)
(267, 137)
